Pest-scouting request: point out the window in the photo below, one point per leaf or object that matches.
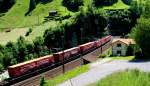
(118, 52)
(118, 45)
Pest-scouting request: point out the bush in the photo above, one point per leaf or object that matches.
(66, 17)
(104, 2)
(141, 35)
(120, 22)
(72, 5)
(1, 67)
(138, 55)
(42, 82)
(6, 4)
(128, 2)
(130, 50)
(28, 32)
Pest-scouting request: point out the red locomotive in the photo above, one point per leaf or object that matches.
(25, 67)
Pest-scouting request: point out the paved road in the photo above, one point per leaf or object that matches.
(98, 71)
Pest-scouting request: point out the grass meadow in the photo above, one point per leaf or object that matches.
(66, 76)
(125, 78)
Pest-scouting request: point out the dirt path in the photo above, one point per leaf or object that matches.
(98, 71)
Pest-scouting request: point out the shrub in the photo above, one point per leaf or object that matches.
(32, 5)
(72, 4)
(42, 82)
(1, 67)
(130, 50)
(128, 2)
(120, 22)
(141, 35)
(28, 32)
(66, 16)
(6, 4)
(104, 2)
(138, 55)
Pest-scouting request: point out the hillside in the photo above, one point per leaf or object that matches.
(15, 18)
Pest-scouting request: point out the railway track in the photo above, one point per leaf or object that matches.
(49, 72)
(35, 81)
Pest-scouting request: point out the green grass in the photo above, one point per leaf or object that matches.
(15, 17)
(11, 36)
(125, 78)
(67, 75)
(16, 33)
(122, 58)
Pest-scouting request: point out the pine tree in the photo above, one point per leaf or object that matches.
(32, 5)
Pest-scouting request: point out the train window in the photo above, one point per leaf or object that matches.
(118, 45)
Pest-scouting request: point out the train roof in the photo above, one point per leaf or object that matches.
(67, 50)
(86, 43)
(30, 61)
(71, 48)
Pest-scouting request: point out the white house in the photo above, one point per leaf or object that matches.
(119, 46)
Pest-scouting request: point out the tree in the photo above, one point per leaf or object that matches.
(42, 82)
(146, 9)
(120, 22)
(49, 39)
(128, 2)
(6, 4)
(1, 61)
(9, 53)
(104, 2)
(7, 58)
(72, 5)
(130, 50)
(32, 5)
(136, 8)
(141, 34)
(1, 67)
(94, 25)
(38, 45)
(21, 49)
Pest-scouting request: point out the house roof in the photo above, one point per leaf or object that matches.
(125, 41)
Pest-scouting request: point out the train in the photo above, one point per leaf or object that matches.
(59, 57)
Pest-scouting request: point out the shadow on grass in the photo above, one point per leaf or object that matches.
(139, 60)
(36, 3)
(45, 1)
(104, 3)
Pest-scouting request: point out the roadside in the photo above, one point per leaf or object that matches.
(98, 71)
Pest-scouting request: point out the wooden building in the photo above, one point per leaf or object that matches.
(120, 45)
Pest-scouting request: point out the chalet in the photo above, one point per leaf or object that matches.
(119, 46)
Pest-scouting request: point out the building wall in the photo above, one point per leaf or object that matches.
(115, 49)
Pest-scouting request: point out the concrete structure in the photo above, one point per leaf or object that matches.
(119, 46)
